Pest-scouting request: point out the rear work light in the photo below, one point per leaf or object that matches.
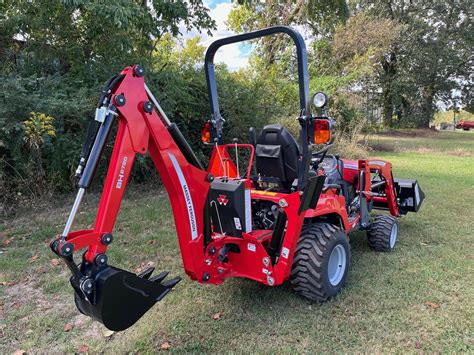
(206, 133)
(322, 131)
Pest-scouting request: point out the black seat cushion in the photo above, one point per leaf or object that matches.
(277, 154)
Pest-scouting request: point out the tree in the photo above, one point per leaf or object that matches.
(317, 17)
(432, 60)
(364, 47)
(61, 36)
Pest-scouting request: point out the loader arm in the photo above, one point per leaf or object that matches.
(113, 296)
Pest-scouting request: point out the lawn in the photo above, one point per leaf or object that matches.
(418, 299)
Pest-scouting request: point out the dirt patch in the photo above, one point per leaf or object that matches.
(460, 152)
(394, 148)
(26, 293)
(383, 147)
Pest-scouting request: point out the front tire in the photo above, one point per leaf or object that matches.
(321, 262)
(383, 233)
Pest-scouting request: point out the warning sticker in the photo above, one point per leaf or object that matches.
(252, 247)
(285, 252)
(377, 162)
(238, 226)
(265, 193)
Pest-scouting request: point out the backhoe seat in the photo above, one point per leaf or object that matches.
(277, 154)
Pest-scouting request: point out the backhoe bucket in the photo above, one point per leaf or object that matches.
(118, 298)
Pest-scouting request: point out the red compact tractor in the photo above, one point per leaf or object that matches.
(285, 218)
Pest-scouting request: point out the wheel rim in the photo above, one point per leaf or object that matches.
(393, 235)
(337, 265)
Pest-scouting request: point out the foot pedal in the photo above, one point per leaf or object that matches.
(119, 298)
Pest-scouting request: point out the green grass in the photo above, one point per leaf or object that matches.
(383, 308)
(458, 143)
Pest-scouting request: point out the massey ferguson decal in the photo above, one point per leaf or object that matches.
(223, 200)
(187, 196)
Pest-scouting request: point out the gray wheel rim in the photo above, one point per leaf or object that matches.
(337, 265)
(393, 235)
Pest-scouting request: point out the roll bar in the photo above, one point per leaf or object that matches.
(305, 117)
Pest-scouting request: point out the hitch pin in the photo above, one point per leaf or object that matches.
(72, 214)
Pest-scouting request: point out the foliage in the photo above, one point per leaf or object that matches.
(37, 127)
(62, 36)
(319, 16)
(54, 57)
(361, 44)
(432, 62)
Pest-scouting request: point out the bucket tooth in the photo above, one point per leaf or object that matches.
(160, 277)
(145, 274)
(172, 283)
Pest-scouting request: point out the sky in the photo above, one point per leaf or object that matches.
(234, 55)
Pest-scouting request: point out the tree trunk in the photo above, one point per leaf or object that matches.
(389, 65)
(387, 104)
(427, 112)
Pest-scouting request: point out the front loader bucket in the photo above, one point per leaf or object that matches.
(119, 298)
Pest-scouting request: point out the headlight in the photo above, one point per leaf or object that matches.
(320, 99)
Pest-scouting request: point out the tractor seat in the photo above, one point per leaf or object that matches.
(277, 155)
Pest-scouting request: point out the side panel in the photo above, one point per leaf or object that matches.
(330, 203)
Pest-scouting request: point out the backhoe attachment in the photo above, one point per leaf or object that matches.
(115, 297)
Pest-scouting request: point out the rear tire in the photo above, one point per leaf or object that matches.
(383, 233)
(321, 262)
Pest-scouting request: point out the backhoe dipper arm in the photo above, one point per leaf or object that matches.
(117, 297)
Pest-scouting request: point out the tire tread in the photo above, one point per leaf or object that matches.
(378, 235)
(306, 274)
